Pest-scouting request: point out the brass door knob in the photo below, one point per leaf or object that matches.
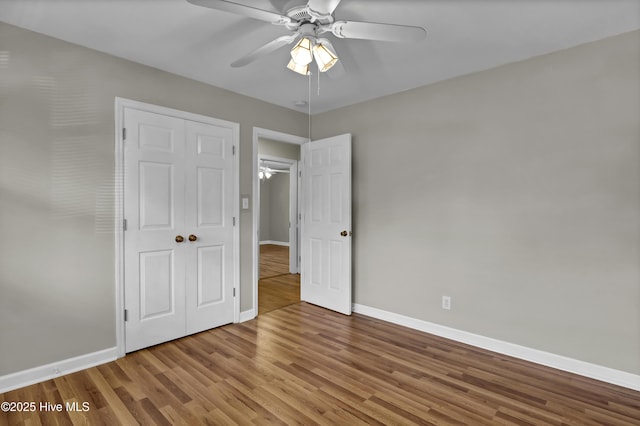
(179, 238)
(344, 233)
(192, 237)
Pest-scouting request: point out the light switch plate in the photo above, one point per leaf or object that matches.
(245, 203)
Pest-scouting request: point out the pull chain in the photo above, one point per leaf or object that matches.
(309, 108)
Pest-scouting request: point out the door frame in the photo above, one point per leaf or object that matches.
(258, 133)
(119, 192)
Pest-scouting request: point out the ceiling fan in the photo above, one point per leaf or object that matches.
(265, 170)
(307, 23)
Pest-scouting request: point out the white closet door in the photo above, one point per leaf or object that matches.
(209, 222)
(179, 254)
(154, 210)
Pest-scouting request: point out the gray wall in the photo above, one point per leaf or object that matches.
(516, 191)
(278, 149)
(274, 208)
(265, 211)
(274, 193)
(57, 188)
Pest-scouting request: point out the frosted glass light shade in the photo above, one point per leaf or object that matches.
(300, 69)
(301, 52)
(325, 58)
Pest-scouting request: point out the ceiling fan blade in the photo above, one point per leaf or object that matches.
(323, 7)
(374, 31)
(240, 9)
(264, 50)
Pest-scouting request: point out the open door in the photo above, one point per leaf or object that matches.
(326, 223)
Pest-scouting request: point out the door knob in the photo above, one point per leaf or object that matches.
(344, 233)
(192, 237)
(179, 238)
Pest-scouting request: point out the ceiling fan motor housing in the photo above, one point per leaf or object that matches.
(302, 15)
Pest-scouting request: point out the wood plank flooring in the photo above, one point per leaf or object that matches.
(277, 288)
(274, 260)
(305, 365)
(278, 292)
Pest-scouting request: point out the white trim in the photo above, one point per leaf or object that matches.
(247, 315)
(593, 371)
(119, 226)
(236, 213)
(258, 133)
(275, 243)
(120, 105)
(56, 369)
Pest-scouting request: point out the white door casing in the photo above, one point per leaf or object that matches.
(326, 223)
(178, 180)
(294, 223)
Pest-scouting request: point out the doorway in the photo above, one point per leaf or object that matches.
(278, 281)
(325, 226)
(276, 254)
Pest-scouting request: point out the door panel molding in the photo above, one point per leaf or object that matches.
(207, 147)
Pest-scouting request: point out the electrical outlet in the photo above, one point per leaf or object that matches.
(446, 302)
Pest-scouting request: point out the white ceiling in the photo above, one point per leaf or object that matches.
(463, 36)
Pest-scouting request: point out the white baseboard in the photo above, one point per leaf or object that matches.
(275, 243)
(45, 372)
(247, 315)
(593, 371)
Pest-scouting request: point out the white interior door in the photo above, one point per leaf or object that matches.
(326, 223)
(209, 216)
(178, 184)
(154, 210)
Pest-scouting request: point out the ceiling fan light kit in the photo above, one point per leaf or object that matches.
(325, 56)
(301, 53)
(307, 22)
(264, 173)
(308, 49)
(300, 69)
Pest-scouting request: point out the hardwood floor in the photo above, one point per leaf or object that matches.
(274, 260)
(305, 365)
(277, 288)
(278, 292)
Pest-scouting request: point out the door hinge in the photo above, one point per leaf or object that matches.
(126, 315)
(234, 221)
(233, 150)
(124, 224)
(234, 292)
(124, 133)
